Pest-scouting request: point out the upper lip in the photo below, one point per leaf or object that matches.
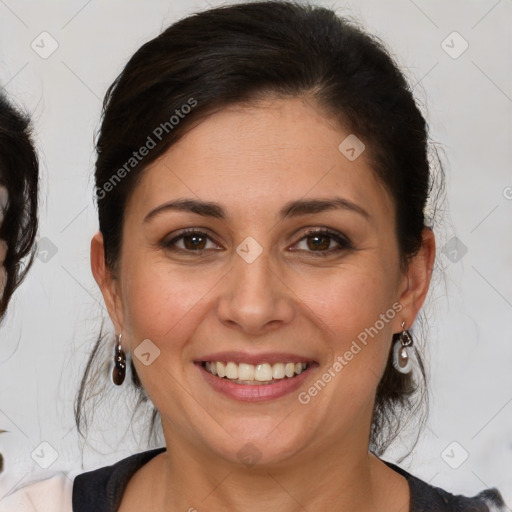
(264, 357)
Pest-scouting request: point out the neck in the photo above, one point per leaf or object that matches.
(346, 479)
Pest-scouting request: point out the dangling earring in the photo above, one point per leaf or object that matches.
(119, 370)
(401, 357)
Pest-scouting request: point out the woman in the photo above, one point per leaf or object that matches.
(261, 181)
(19, 175)
(18, 199)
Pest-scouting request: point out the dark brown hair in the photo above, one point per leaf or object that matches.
(19, 173)
(249, 51)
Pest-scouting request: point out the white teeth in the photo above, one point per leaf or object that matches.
(263, 372)
(278, 371)
(221, 369)
(246, 371)
(289, 369)
(232, 370)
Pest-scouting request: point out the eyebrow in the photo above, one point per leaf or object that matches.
(290, 209)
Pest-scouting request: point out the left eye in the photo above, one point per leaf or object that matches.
(320, 242)
(193, 241)
(316, 241)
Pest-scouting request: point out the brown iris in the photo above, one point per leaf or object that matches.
(317, 245)
(194, 244)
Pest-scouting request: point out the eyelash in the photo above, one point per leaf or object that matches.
(343, 241)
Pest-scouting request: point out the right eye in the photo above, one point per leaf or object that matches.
(194, 241)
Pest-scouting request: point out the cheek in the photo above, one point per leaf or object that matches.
(356, 307)
(158, 301)
(349, 299)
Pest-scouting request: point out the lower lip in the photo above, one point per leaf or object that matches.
(254, 392)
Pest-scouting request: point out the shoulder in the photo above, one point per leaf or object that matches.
(428, 498)
(102, 489)
(49, 495)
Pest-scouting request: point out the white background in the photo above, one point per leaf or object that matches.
(56, 314)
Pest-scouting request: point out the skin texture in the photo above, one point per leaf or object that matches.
(252, 160)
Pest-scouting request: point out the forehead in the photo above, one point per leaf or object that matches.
(249, 157)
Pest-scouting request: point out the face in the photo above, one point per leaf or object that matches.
(289, 256)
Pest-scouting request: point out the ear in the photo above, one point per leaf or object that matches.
(417, 280)
(107, 283)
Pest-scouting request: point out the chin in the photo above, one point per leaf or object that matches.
(259, 445)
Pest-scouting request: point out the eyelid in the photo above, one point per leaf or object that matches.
(188, 231)
(343, 241)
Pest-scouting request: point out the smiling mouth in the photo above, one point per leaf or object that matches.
(260, 374)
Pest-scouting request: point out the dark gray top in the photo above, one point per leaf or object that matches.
(101, 490)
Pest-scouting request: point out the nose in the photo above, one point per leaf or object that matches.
(255, 299)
